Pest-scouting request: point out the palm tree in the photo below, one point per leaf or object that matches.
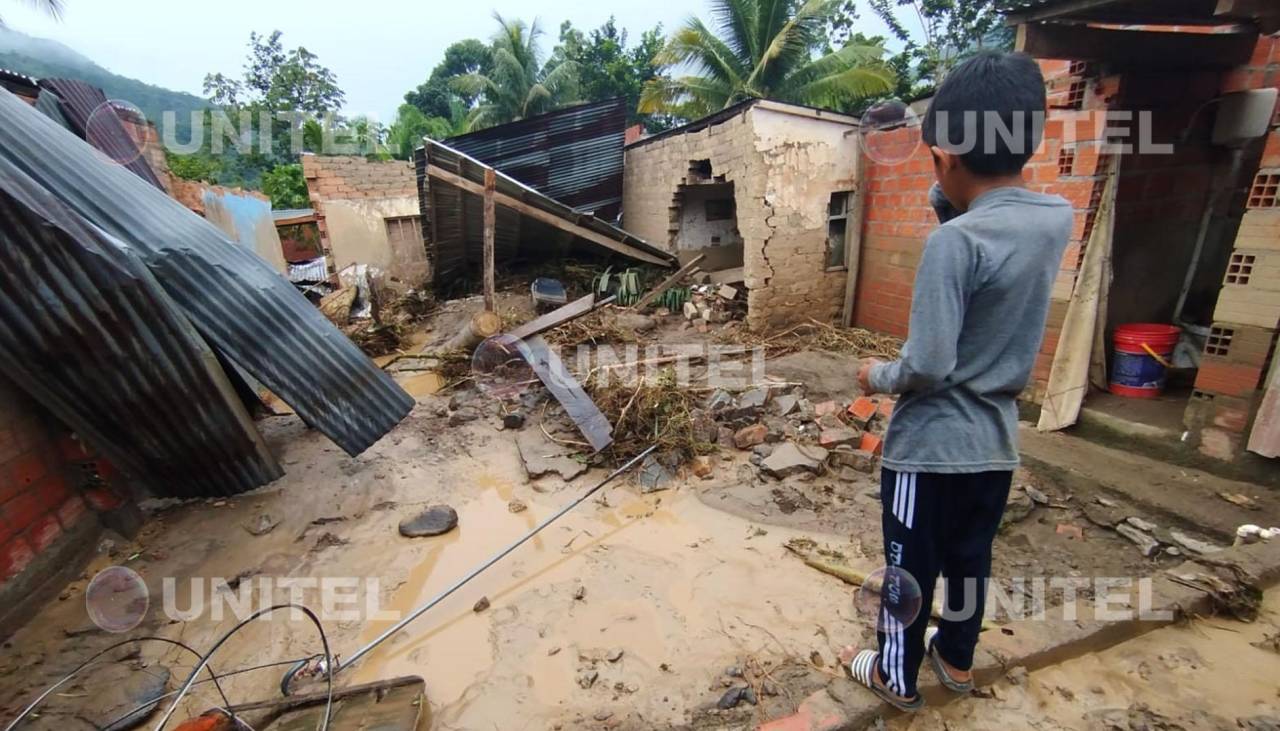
(771, 49)
(519, 86)
(50, 7)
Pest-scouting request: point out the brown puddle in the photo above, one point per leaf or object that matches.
(422, 384)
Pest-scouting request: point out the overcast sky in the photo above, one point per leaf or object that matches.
(379, 50)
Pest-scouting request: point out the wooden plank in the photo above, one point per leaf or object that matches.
(853, 239)
(546, 217)
(1137, 48)
(593, 424)
(727, 276)
(490, 228)
(555, 318)
(662, 287)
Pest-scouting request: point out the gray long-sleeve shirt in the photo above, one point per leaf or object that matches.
(978, 312)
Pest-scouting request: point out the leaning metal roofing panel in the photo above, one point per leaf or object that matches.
(452, 218)
(246, 310)
(573, 155)
(88, 331)
(94, 120)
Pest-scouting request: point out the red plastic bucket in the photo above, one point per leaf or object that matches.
(1143, 351)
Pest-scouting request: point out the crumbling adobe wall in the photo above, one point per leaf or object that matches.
(353, 197)
(784, 163)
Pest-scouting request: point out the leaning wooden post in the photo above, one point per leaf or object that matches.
(490, 224)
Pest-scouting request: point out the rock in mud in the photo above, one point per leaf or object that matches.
(837, 436)
(614, 655)
(790, 459)
(513, 420)
(635, 322)
(735, 696)
(1193, 545)
(516, 506)
(750, 436)
(719, 401)
(1145, 543)
(786, 404)
(580, 593)
(120, 688)
(541, 456)
(1143, 525)
(1105, 515)
(653, 476)
(463, 415)
(587, 678)
(702, 467)
(753, 402)
(1018, 508)
(1039, 497)
(481, 605)
(262, 525)
(434, 521)
(860, 460)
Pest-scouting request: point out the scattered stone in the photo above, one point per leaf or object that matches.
(458, 400)
(587, 678)
(838, 436)
(481, 605)
(262, 525)
(857, 459)
(736, 695)
(1146, 544)
(1037, 496)
(733, 671)
(1140, 524)
(1018, 675)
(727, 291)
(763, 450)
(719, 400)
(769, 688)
(635, 321)
(614, 655)
(1194, 545)
(863, 410)
(1017, 509)
(1074, 532)
(1106, 516)
(777, 429)
(603, 715)
(516, 506)
(725, 438)
(653, 476)
(434, 521)
(789, 459)
(786, 404)
(541, 456)
(580, 593)
(702, 467)
(750, 436)
(690, 311)
(463, 415)
(553, 652)
(513, 420)
(826, 408)
(1104, 502)
(815, 657)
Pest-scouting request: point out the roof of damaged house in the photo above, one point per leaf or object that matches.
(1139, 12)
(292, 216)
(255, 321)
(573, 155)
(529, 223)
(737, 110)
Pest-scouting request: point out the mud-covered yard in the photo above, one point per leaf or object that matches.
(643, 609)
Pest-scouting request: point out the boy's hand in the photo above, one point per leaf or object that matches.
(864, 375)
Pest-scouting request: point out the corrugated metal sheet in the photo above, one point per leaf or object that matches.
(316, 270)
(248, 312)
(94, 120)
(573, 155)
(88, 331)
(452, 220)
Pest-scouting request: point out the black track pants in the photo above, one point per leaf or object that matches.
(936, 524)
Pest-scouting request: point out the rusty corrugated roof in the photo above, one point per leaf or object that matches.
(573, 155)
(247, 311)
(96, 121)
(88, 332)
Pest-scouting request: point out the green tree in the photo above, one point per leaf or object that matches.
(411, 125)
(519, 85)
(764, 49)
(278, 80)
(949, 32)
(286, 187)
(436, 97)
(608, 69)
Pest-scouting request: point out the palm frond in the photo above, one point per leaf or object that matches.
(849, 57)
(794, 40)
(842, 87)
(696, 45)
(736, 21)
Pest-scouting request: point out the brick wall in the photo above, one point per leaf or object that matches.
(353, 197)
(50, 489)
(784, 164)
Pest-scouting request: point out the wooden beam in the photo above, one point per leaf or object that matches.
(546, 217)
(662, 287)
(1054, 10)
(853, 238)
(490, 227)
(556, 317)
(1138, 49)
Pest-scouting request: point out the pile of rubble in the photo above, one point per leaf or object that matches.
(789, 435)
(714, 304)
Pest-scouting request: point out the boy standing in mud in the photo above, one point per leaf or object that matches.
(978, 312)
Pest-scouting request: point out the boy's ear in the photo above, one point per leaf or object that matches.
(944, 161)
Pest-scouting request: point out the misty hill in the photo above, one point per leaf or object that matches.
(41, 58)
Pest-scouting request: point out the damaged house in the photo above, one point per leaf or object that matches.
(762, 187)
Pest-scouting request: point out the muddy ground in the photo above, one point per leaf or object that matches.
(636, 611)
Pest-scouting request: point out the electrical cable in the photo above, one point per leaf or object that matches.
(204, 660)
(66, 678)
(172, 693)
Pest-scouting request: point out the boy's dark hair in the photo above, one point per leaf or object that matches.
(994, 106)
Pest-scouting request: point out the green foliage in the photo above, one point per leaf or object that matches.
(286, 187)
(436, 97)
(952, 30)
(277, 80)
(194, 167)
(518, 85)
(607, 69)
(775, 49)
